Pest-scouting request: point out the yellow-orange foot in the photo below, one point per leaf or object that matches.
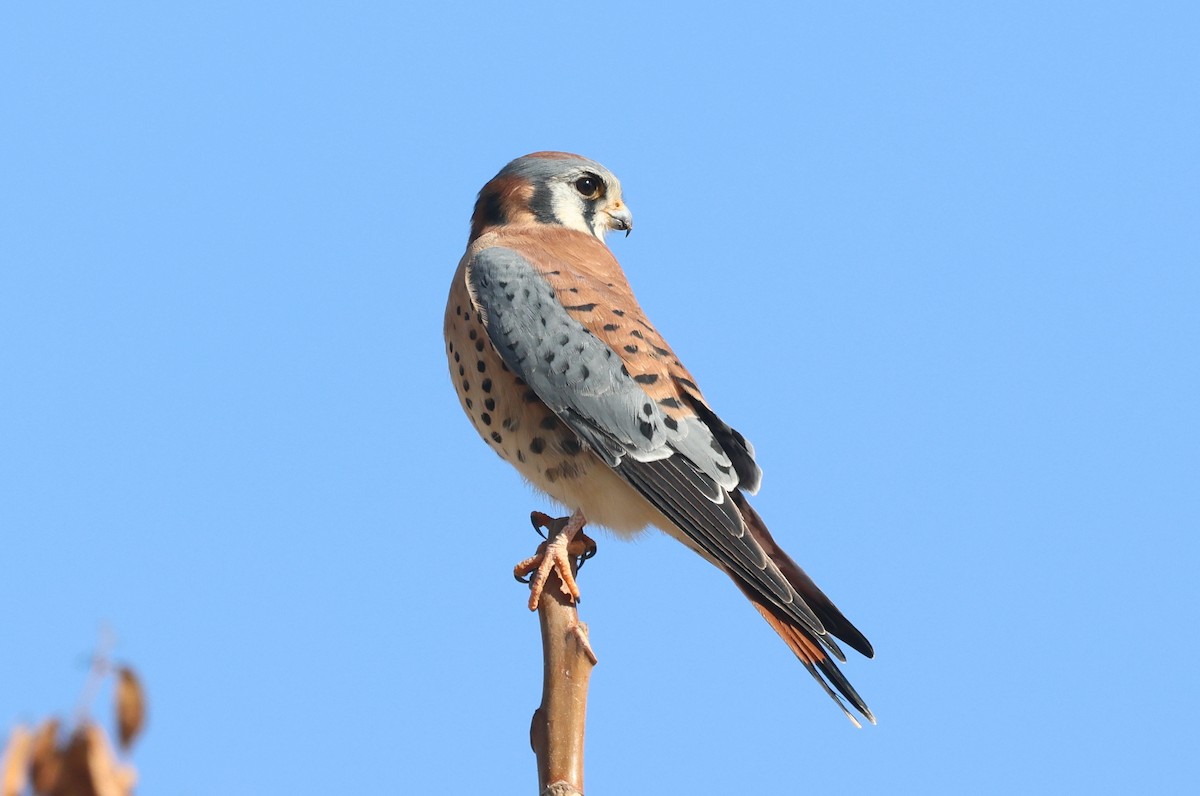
(566, 548)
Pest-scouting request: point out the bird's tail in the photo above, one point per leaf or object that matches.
(814, 651)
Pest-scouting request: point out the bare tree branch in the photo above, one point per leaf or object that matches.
(557, 729)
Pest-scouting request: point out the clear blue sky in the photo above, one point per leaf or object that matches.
(940, 263)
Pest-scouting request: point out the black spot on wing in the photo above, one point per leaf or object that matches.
(556, 355)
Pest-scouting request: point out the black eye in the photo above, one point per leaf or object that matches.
(589, 186)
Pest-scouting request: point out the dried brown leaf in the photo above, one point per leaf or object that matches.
(16, 762)
(108, 777)
(45, 761)
(75, 778)
(131, 706)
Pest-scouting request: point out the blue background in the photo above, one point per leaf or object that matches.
(938, 261)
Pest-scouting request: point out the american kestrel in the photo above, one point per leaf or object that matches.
(561, 372)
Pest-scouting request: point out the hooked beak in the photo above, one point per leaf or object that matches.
(619, 217)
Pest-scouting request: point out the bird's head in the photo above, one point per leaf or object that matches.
(555, 188)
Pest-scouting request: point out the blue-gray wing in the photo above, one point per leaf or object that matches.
(679, 466)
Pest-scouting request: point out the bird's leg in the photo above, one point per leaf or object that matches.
(566, 548)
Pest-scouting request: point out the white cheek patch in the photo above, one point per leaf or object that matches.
(569, 210)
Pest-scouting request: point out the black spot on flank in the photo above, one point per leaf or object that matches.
(569, 469)
(549, 422)
(572, 290)
(456, 357)
(670, 403)
(570, 446)
(537, 445)
(520, 456)
(637, 334)
(510, 296)
(466, 316)
(611, 327)
(462, 371)
(647, 409)
(548, 356)
(624, 371)
(631, 349)
(581, 307)
(554, 273)
(490, 404)
(691, 385)
(670, 423)
(479, 345)
(503, 366)
(509, 424)
(496, 436)
(480, 366)
(473, 334)
(486, 418)
(451, 347)
(608, 352)
(530, 397)
(470, 404)
(501, 283)
(646, 378)
(647, 429)
(662, 352)
(457, 311)
(619, 313)
(551, 474)
(487, 385)
(466, 385)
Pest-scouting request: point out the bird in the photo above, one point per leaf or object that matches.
(563, 375)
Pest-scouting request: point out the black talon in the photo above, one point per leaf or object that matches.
(589, 552)
(537, 526)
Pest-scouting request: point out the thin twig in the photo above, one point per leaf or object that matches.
(557, 729)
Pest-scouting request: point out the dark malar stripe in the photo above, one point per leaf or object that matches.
(589, 214)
